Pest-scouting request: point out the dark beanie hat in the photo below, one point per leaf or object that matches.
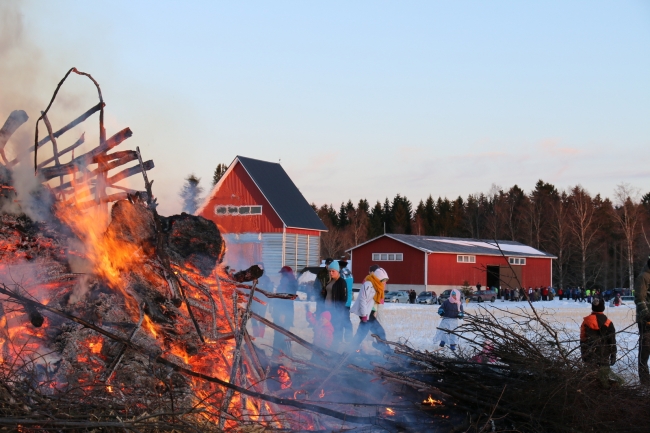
(598, 305)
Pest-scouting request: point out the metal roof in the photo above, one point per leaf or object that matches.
(283, 195)
(486, 247)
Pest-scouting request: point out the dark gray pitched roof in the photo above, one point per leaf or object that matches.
(282, 194)
(439, 244)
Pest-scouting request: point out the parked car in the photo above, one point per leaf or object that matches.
(484, 295)
(399, 296)
(426, 298)
(628, 298)
(446, 294)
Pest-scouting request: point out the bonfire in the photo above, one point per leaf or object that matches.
(113, 317)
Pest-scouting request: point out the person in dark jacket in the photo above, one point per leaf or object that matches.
(335, 296)
(598, 341)
(642, 301)
(451, 310)
(412, 296)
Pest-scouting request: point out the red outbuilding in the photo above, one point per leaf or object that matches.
(446, 263)
(263, 217)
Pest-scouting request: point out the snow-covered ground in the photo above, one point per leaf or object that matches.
(416, 324)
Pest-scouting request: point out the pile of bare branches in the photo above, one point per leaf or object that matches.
(517, 372)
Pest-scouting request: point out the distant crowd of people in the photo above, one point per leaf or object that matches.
(334, 306)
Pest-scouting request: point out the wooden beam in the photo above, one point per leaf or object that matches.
(136, 169)
(87, 158)
(76, 144)
(13, 122)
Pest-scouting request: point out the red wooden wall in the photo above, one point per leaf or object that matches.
(239, 189)
(303, 232)
(445, 270)
(536, 272)
(408, 271)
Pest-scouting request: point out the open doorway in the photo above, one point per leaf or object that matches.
(493, 277)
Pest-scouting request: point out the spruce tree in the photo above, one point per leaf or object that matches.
(218, 173)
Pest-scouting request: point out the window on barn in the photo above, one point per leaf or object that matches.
(466, 259)
(517, 260)
(237, 210)
(387, 257)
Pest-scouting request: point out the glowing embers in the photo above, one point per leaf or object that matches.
(284, 377)
(431, 402)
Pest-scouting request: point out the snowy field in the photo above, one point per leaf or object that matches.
(416, 324)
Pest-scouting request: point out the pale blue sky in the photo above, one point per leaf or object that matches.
(357, 99)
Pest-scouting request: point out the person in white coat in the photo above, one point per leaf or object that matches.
(371, 295)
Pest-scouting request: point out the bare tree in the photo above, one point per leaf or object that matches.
(628, 214)
(583, 225)
(560, 236)
(332, 241)
(358, 227)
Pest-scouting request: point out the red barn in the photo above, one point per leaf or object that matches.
(445, 263)
(263, 217)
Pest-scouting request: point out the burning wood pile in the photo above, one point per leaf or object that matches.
(520, 371)
(126, 320)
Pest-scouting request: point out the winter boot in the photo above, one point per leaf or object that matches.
(452, 347)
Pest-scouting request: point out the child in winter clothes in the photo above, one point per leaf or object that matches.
(323, 329)
(451, 310)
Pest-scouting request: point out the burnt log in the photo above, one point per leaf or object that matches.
(194, 240)
(250, 274)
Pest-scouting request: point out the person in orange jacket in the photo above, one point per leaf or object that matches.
(598, 341)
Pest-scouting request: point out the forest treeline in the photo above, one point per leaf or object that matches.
(598, 242)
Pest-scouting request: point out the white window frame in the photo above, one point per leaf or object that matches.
(465, 258)
(520, 261)
(232, 210)
(387, 257)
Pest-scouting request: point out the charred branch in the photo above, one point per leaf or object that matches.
(102, 131)
(325, 354)
(160, 359)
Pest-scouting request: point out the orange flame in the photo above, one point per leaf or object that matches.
(431, 401)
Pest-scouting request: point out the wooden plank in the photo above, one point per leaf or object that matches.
(77, 143)
(87, 158)
(136, 169)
